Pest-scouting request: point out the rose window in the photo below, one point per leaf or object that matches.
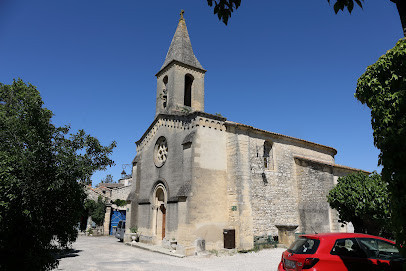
(161, 151)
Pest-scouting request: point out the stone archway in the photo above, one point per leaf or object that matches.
(160, 199)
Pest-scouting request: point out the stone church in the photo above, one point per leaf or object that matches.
(200, 178)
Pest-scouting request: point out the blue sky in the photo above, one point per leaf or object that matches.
(288, 67)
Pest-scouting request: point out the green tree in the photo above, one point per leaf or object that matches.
(42, 173)
(224, 8)
(383, 89)
(96, 210)
(120, 202)
(364, 201)
(108, 179)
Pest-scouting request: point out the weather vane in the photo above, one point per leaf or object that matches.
(123, 173)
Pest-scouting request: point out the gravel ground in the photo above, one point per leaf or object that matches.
(106, 253)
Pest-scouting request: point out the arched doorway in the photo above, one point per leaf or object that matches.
(160, 196)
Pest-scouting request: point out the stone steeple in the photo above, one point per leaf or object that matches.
(180, 81)
(181, 48)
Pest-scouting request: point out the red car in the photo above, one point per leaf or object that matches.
(341, 252)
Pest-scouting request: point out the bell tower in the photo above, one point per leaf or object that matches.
(180, 81)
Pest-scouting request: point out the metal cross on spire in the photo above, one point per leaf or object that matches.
(181, 15)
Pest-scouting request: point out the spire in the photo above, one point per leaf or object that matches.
(181, 47)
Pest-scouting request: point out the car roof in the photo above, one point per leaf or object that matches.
(339, 235)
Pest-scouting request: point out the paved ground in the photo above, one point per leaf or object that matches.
(106, 253)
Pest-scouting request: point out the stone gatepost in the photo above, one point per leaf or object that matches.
(286, 234)
(107, 217)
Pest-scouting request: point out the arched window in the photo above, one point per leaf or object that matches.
(165, 92)
(188, 90)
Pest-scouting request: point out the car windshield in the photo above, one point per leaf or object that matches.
(304, 246)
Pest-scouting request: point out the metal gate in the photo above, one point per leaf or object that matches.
(116, 216)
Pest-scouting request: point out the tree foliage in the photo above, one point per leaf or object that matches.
(349, 4)
(108, 179)
(364, 201)
(120, 202)
(224, 8)
(341, 4)
(42, 169)
(96, 209)
(383, 89)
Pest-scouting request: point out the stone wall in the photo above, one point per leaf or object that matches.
(120, 193)
(175, 89)
(274, 194)
(144, 218)
(174, 129)
(204, 213)
(216, 179)
(314, 182)
(176, 173)
(240, 214)
(92, 193)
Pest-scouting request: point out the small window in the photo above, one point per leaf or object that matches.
(304, 246)
(165, 92)
(187, 145)
(268, 155)
(188, 90)
(348, 247)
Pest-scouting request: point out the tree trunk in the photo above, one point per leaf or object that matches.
(401, 5)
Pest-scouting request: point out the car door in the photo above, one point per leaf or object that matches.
(351, 255)
(383, 254)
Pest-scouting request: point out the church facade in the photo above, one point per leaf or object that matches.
(200, 178)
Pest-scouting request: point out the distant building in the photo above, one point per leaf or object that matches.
(111, 192)
(125, 181)
(199, 176)
(106, 188)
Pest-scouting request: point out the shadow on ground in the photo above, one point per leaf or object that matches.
(67, 253)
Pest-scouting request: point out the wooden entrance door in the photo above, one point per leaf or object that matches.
(229, 238)
(163, 210)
